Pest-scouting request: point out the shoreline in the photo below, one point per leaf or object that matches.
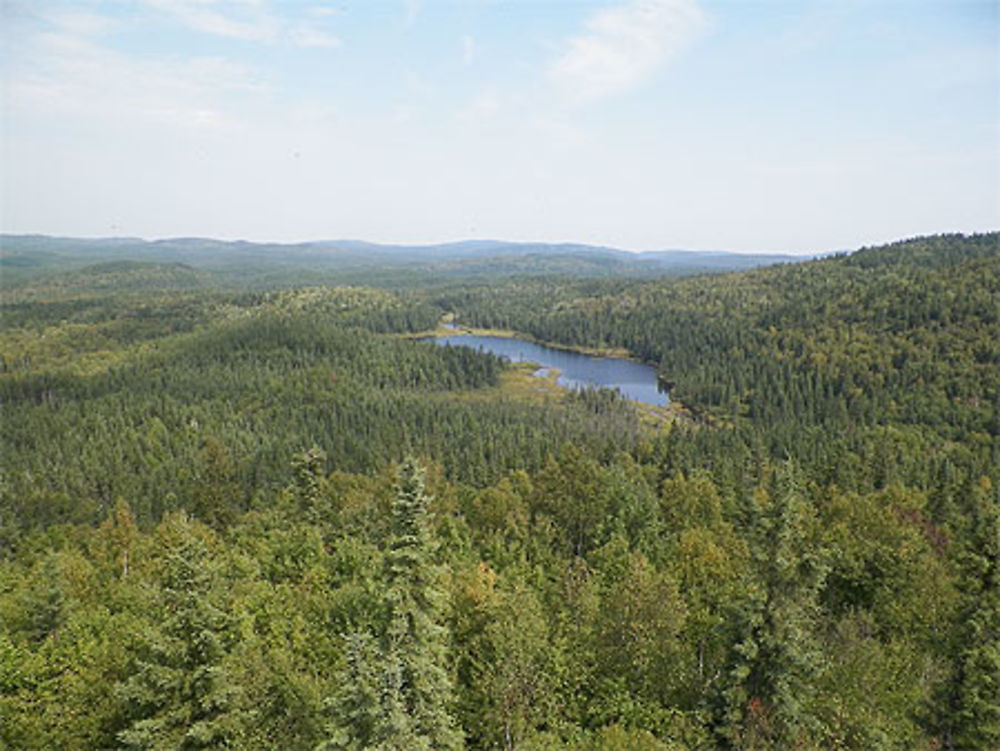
(456, 329)
(672, 411)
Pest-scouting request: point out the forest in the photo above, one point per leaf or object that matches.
(252, 510)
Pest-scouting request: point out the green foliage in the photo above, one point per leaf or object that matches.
(204, 420)
(181, 695)
(976, 720)
(403, 701)
(776, 655)
(811, 360)
(807, 557)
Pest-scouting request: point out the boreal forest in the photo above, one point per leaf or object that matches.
(246, 504)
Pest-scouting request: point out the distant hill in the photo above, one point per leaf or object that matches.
(26, 256)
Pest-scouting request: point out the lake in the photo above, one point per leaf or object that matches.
(634, 380)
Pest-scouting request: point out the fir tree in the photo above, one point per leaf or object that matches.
(309, 481)
(356, 707)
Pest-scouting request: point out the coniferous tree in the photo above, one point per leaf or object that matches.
(309, 471)
(776, 654)
(356, 708)
(45, 603)
(977, 715)
(411, 708)
(417, 688)
(181, 696)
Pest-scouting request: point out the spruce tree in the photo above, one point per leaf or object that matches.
(976, 719)
(356, 707)
(181, 696)
(776, 657)
(309, 469)
(413, 692)
(45, 603)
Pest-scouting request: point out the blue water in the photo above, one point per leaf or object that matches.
(635, 381)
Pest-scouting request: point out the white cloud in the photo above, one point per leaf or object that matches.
(623, 45)
(78, 22)
(308, 37)
(245, 20)
(250, 21)
(322, 11)
(72, 76)
(483, 106)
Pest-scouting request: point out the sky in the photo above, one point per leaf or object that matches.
(794, 126)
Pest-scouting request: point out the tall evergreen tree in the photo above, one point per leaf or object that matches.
(309, 471)
(776, 654)
(411, 706)
(181, 695)
(356, 708)
(45, 603)
(976, 719)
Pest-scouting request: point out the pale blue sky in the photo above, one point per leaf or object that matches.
(794, 126)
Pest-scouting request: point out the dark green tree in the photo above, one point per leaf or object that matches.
(45, 603)
(217, 500)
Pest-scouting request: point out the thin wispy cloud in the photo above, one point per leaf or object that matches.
(75, 76)
(79, 22)
(322, 11)
(484, 105)
(411, 9)
(248, 21)
(623, 45)
(308, 37)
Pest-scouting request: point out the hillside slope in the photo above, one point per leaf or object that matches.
(902, 335)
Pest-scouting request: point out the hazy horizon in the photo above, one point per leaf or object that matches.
(780, 127)
(404, 244)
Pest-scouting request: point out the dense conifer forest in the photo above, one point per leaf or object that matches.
(269, 514)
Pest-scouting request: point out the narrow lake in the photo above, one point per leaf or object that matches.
(635, 380)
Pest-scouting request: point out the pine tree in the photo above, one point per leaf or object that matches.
(217, 501)
(309, 469)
